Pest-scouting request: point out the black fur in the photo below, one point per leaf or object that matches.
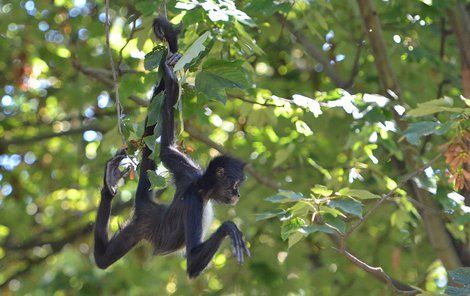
(171, 227)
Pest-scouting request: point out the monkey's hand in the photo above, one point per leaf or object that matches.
(112, 174)
(170, 62)
(238, 243)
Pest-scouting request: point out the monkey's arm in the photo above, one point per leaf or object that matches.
(198, 253)
(181, 166)
(108, 251)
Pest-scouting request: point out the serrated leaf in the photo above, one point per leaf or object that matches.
(193, 51)
(358, 193)
(291, 226)
(321, 190)
(347, 205)
(218, 75)
(152, 59)
(270, 214)
(285, 196)
(157, 181)
(335, 222)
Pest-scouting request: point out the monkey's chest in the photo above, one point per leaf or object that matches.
(207, 217)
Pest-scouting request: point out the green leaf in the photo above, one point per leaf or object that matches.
(270, 214)
(218, 75)
(433, 106)
(419, 129)
(247, 40)
(335, 222)
(316, 228)
(193, 51)
(321, 190)
(157, 181)
(152, 59)
(147, 7)
(301, 208)
(150, 142)
(154, 109)
(282, 155)
(291, 226)
(285, 196)
(295, 238)
(347, 205)
(358, 193)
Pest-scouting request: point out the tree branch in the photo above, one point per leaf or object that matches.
(47, 135)
(390, 194)
(317, 54)
(249, 168)
(435, 228)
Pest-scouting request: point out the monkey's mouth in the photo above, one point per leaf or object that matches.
(233, 200)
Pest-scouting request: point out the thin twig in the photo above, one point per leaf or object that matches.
(257, 103)
(390, 194)
(131, 36)
(115, 75)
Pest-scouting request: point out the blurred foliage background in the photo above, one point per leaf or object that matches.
(353, 115)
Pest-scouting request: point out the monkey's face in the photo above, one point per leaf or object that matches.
(227, 190)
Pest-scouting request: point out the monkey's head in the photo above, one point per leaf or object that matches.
(225, 175)
(165, 31)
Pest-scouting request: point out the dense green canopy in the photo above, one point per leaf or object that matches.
(352, 115)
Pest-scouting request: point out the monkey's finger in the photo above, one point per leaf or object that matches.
(247, 251)
(244, 246)
(174, 59)
(236, 245)
(240, 249)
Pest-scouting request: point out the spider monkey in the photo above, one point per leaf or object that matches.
(183, 222)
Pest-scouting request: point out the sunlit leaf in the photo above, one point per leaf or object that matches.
(193, 51)
(285, 196)
(358, 193)
(335, 222)
(290, 226)
(347, 205)
(321, 190)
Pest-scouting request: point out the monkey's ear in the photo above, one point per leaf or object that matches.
(219, 172)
